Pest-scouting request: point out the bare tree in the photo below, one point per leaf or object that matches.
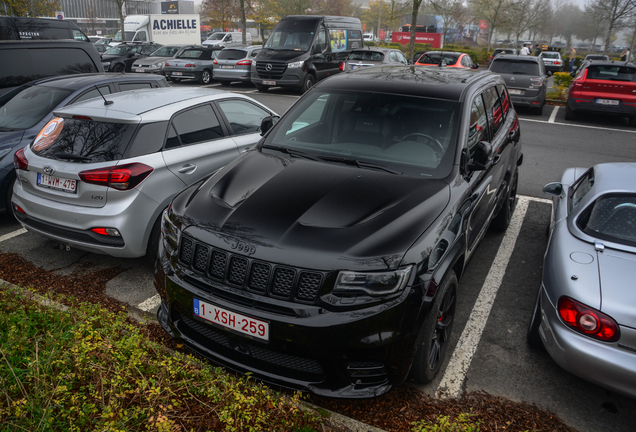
(568, 17)
(524, 14)
(220, 13)
(615, 13)
(451, 11)
(494, 12)
(32, 8)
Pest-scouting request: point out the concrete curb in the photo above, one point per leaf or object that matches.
(337, 420)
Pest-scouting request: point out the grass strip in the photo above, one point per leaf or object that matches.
(86, 368)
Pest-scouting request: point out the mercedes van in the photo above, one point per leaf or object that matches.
(304, 49)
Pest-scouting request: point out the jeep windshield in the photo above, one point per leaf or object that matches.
(399, 134)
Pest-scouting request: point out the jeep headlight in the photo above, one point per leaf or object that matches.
(295, 65)
(169, 229)
(372, 283)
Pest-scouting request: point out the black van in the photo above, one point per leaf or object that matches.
(304, 49)
(25, 61)
(19, 28)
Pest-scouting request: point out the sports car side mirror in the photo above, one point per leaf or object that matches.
(553, 189)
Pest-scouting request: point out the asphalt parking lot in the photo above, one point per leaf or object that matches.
(496, 294)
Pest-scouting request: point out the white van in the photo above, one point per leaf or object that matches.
(226, 39)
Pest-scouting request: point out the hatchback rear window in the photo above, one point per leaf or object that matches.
(83, 141)
(612, 73)
(233, 54)
(613, 218)
(366, 55)
(520, 67)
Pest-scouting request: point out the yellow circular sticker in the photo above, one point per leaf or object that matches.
(48, 134)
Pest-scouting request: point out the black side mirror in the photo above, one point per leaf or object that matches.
(482, 157)
(267, 123)
(475, 66)
(317, 49)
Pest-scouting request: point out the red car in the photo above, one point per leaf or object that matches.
(450, 58)
(603, 87)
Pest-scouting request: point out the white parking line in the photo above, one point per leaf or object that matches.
(555, 110)
(578, 125)
(455, 374)
(12, 234)
(150, 303)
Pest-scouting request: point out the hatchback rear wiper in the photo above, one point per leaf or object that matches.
(71, 156)
(291, 152)
(361, 164)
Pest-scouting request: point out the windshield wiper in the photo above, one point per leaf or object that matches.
(6, 129)
(71, 156)
(361, 164)
(291, 152)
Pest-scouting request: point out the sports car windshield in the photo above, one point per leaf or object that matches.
(613, 218)
(398, 134)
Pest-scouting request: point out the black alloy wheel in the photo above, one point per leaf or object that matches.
(436, 331)
(119, 67)
(502, 220)
(309, 82)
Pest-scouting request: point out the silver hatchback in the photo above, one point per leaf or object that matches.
(99, 174)
(235, 64)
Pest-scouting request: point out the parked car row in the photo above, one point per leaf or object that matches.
(356, 213)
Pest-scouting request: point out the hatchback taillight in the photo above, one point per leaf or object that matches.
(216, 62)
(587, 320)
(20, 161)
(190, 65)
(244, 63)
(341, 67)
(121, 177)
(167, 64)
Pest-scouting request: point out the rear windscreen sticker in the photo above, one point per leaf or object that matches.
(48, 134)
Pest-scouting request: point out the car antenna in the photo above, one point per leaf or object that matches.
(106, 102)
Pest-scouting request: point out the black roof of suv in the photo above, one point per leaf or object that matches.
(413, 80)
(24, 61)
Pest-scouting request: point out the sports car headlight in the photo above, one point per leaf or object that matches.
(295, 65)
(372, 283)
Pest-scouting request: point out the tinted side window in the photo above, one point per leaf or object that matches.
(582, 187)
(20, 66)
(478, 130)
(493, 109)
(322, 39)
(197, 125)
(79, 36)
(149, 139)
(93, 93)
(134, 86)
(244, 117)
(505, 99)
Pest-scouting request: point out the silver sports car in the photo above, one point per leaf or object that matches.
(585, 314)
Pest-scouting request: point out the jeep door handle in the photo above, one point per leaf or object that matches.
(187, 169)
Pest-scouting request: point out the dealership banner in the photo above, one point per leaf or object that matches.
(435, 39)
